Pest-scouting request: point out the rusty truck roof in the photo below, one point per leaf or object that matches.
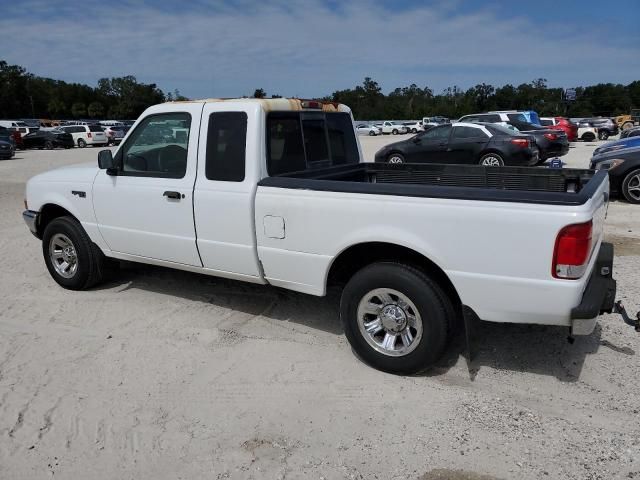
(278, 104)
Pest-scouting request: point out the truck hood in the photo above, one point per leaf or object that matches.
(78, 173)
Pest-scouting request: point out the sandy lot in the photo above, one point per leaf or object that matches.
(162, 374)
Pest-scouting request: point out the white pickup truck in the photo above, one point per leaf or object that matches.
(276, 192)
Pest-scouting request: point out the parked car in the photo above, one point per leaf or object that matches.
(371, 130)
(606, 127)
(393, 128)
(413, 247)
(414, 127)
(115, 133)
(561, 123)
(19, 125)
(17, 138)
(7, 135)
(467, 143)
(433, 121)
(630, 132)
(48, 139)
(617, 145)
(494, 117)
(625, 122)
(84, 135)
(586, 132)
(7, 150)
(623, 166)
(529, 115)
(551, 143)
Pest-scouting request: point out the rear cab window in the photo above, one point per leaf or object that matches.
(95, 128)
(226, 146)
(299, 141)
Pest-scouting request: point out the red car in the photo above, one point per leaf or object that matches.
(561, 123)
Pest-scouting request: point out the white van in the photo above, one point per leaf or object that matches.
(84, 135)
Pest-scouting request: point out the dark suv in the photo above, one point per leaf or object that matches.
(607, 127)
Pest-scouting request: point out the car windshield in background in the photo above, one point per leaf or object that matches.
(496, 129)
(517, 117)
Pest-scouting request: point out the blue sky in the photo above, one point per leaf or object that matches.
(218, 48)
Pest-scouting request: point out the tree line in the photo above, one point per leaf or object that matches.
(24, 95)
(369, 103)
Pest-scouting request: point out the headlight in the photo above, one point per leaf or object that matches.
(609, 164)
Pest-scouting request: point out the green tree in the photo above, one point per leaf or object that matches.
(95, 109)
(78, 109)
(259, 93)
(56, 108)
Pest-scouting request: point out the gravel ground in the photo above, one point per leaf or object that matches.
(163, 374)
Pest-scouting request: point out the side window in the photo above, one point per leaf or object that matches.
(226, 146)
(342, 140)
(315, 142)
(158, 147)
(437, 133)
(546, 123)
(284, 144)
(467, 132)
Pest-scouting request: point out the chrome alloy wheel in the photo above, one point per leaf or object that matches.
(491, 161)
(63, 255)
(389, 322)
(633, 187)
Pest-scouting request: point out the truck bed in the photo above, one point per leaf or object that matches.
(465, 182)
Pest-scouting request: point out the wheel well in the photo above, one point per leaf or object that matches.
(48, 213)
(359, 256)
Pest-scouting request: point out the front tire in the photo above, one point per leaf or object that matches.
(631, 186)
(603, 134)
(72, 259)
(81, 143)
(491, 160)
(48, 145)
(394, 131)
(627, 125)
(396, 318)
(588, 137)
(372, 133)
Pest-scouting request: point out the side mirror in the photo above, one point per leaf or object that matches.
(106, 162)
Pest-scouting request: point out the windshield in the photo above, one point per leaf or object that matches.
(517, 117)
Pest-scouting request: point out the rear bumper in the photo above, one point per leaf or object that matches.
(31, 219)
(599, 295)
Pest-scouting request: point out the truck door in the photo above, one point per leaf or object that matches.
(145, 208)
(228, 172)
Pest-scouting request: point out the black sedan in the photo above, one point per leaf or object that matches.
(48, 139)
(485, 144)
(624, 171)
(7, 150)
(551, 143)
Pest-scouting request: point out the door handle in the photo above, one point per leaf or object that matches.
(173, 195)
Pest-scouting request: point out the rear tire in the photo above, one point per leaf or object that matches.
(394, 131)
(627, 125)
(372, 133)
(48, 145)
(588, 137)
(491, 160)
(603, 134)
(72, 259)
(395, 158)
(631, 186)
(396, 318)
(81, 143)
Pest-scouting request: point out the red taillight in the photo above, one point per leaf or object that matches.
(521, 142)
(89, 135)
(572, 251)
(311, 104)
(550, 136)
